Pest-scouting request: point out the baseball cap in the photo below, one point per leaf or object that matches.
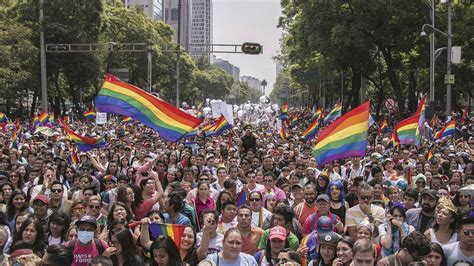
(110, 178)
(323, 197)
(278, 232)
(324, 225)
(330, 238)
(87, 219)
(42, 198)
(430, 192)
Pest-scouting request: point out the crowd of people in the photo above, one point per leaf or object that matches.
(244, 198)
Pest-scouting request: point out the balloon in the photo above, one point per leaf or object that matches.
(213, 102)
(208, 101)
(264, 99)
(240, 113)
(206, 110)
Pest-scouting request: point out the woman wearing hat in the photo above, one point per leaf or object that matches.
(326, 249)
(445, 224)
(275, 244)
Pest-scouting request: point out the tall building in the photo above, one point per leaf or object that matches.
(253, 83)
(151, 8)
(171, 18)
(228, 67)
(201, 28)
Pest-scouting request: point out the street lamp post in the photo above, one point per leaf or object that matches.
(44, 89)
(449, 80)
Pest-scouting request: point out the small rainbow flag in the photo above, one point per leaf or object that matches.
(311, 131)
(392, 143)
(122, 98)
(429, 155)
(15, 139)
(84, 143)
(447, 130)
(221, 125)
(283, 133)
(434, 120)
(420, 130)
(317, 114)
(43, 117)
(383, 129)
(174, 231)
(3, 118)
(334, 114)
(127, 119)
(35, 123)
(405, 131)
(90, 114)
(294, 121)
(345, 137)
(51, 118)
(72, 158)
(284, 111)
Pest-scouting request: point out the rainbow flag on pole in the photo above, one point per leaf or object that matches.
(43, 117)
(312, 130)
(127, 119)
(122, 98)
(283, 133)
(420, 130)
(405, 131)
(174, 231)
(345, 137)
(317, 114)
(90, 114)
(221, 125)
(334, 114)
(383, 129)
(3, 118)
(284, 111)
(447, 130)
(84, 143)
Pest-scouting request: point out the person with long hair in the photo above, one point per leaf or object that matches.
(276, 243)
(462, 200)
(164, 252)
(326, 249)
(445, 225)
(394, 230)
(16, 204)
(203, 199)
(436, 256)
(32, 232)
(322, 183)
(119, 211)
(344, 252)
(132, 197)
(7, 189)
(335, 191)
(15, 179)
(58, 226)
(223, 197)
(123, 250)
(259, 213)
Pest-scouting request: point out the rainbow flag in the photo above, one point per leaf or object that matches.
(35, 123)
(317, 114)
(43, 117)
(174, 231)
(72, 158)
(429, 155)
(405, 131)
(383, 129)
(122, 98)
(392, 143)
(84, 143)
(294, 121)
(15, 139)
(3, 118)
(283, 133)
(420, 130)
(447, 130)
(434, 120)
(345, 137)
(241, 199)
(312, 130)
(51, 118)
(90, 114)
(284, 111)
(127, 119)
(221, 125)
(334, 114)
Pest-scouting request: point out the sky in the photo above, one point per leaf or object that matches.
(239, 21)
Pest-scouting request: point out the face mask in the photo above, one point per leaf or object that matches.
(85, 236)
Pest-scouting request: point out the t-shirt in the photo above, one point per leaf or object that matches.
(454, 254)
(242, 259)
(250, 243)
(83, 255)
(182, 219)
(303, 210)
(215, 244)
(258, 218)
(355, 216)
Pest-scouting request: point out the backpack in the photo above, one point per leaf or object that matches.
(98, 244)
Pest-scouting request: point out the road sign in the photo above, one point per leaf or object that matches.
(389, 104)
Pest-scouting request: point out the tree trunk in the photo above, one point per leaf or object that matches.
(354, 99)
(392, 77)
(33, 103)
(411, 92)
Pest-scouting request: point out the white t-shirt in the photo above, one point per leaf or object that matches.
(454, 254)
(215, 244)
(266, 214)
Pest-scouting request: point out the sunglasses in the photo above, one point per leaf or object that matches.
(56, 190)
(94, 207)
(366, 197)
(254, 199)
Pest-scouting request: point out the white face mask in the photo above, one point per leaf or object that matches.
(85, 236)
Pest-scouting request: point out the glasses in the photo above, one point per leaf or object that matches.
(366, 197)
(468, 232)
(254, 200)
(94, 207)
(56, 190)
(203, 179)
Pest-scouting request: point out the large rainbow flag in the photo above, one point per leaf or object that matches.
(122, 98)
(405, 131)
(174, 231)
(345, 137)
(84, 143)
(312, 130)
(447, 130)
(334, 114)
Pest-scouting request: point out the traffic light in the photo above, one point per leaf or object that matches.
(252, 48)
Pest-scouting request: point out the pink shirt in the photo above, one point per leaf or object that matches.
(143, 209)
(279, 194)
(83, 255)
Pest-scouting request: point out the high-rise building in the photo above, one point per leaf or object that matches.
(201, 28)
(227, 67)
(171, 18)
(151, 8)
(253, 82)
